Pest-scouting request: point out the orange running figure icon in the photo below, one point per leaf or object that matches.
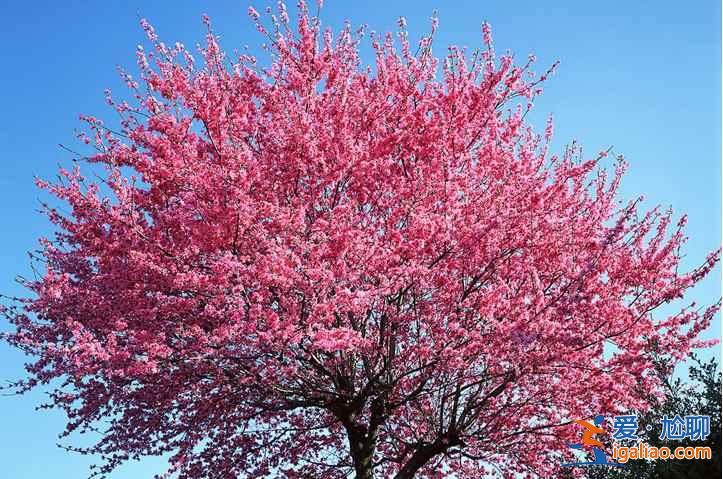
(599, 457)
(590, 431)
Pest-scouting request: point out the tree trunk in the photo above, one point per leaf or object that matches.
(362, 451)
(420, 458)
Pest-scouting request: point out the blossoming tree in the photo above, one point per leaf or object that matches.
(316, 269)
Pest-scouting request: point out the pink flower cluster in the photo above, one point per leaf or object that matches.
(308, 268)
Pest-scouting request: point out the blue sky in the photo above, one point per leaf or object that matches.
(642, 76)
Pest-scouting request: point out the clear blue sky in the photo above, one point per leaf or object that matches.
(643, 76)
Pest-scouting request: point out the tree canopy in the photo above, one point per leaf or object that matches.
(314, 268)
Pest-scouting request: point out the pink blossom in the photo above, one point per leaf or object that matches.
(281, 262)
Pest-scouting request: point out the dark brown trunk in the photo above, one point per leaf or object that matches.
(362, 452)
(420, 458)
